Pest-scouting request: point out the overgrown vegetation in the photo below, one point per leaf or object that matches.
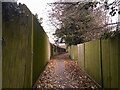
(110, 34)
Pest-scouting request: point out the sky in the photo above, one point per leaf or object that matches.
(40, 7)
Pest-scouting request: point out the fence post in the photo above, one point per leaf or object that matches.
(101, 63)
(0, 45)
(32, 52)
(84, 56)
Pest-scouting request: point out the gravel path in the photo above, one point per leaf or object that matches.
(61, 72)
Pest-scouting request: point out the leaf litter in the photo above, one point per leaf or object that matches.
(61, 72)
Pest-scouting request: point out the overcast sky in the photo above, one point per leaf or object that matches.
(39, 7)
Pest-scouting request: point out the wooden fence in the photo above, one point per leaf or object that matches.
(26, 49)
(101, 60)
(0, 45)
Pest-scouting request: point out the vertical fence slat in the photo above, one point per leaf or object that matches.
(106, 63)
(114, 58)
(119, 62)
(81, 59)
(0, 45)
(74, 52)
(92, 60)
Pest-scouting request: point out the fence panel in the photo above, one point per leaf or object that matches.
(93, 60)
(74, 52)
(41, 50)
(106, 63)
(114, 58)
(81, 59)
(0, 45)
(16, 65)
(71, 52)
(26, 47)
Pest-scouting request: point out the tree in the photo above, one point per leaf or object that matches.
(40, 19)
(79, 22)
(36, 15)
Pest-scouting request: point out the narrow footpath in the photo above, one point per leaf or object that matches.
(61, 72)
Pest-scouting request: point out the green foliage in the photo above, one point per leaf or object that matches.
(90, 4)
(110, 34)
(36, 15)
(69, 35)
(74, 26)
(80, 22)
(40, 19)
